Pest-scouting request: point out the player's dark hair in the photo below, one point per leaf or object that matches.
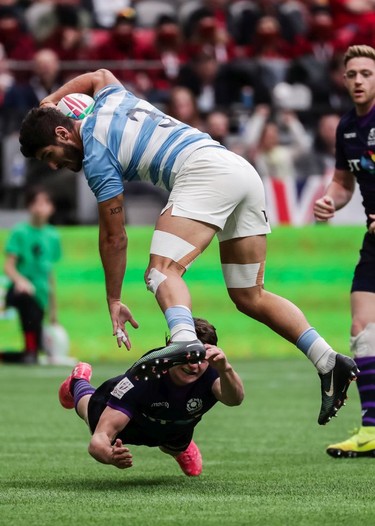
(33, 192)
(206, 332)
(38, 129)
(359, 51)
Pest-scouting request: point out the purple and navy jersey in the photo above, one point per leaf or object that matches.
(355, 151)
(159, 407)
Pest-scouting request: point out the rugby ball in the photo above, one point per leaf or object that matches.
(76, 105)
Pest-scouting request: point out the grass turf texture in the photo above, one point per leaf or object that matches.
(264, 462)
(311, 266)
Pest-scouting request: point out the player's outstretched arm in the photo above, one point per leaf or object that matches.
(112, 247)
(228, 388)
(89, 83)
(338, 194)
(102, 447)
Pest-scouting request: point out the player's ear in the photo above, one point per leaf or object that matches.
(61, 133)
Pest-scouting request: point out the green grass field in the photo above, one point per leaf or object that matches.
(264, 462)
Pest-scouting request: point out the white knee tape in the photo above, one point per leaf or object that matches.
(173, 247)
(238, 276)
(154, 278)
(363, 344)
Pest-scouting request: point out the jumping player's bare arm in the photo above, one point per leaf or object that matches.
(338, 194)
(228, 388)
(112, 247)
(101, 448)
(88, 83)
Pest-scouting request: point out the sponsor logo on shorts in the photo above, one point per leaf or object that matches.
(160, 404)
(193, 405)
(122, 387)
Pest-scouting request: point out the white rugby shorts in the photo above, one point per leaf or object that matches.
(221, 188)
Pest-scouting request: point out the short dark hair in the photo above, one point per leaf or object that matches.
(38, 129)
(206, 332)
(33, 192)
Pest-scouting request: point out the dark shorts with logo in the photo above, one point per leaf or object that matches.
(364, 273)
(133, 433)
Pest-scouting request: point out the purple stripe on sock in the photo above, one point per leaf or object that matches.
(364, 361)
(366, 371)
(362, 388)
(368, 421)
(82, 388)
(366, 405)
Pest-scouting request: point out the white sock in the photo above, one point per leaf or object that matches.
(322, 355)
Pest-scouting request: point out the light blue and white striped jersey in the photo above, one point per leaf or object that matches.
(126, 138)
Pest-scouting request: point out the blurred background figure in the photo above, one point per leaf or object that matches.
(122, 42)
(320, 160)
(218, 125)
(166, 48)
(18, 44)
(69, 37)
(24, 95)
(33, 247)
(207, 32)
(273, 156)
(182, 105)
(209, 82)
(19, 175)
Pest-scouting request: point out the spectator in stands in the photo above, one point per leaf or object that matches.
(270, 52)
(167, 49)
(218, 126)
(18, 44)
(332, 96)
(351, 19)
(68, 39)
(270, 156)
(124, 43)
(209, 81)
(182, 105)
(22, 96)
(6, 80)
(320, 160)
(208, 35)
(320, 40)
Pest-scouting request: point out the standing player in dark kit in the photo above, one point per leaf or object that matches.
(355, 161)
(162, 411)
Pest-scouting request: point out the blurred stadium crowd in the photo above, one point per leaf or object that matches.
(264, 77)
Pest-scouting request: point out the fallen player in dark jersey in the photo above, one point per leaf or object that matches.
(162, 411)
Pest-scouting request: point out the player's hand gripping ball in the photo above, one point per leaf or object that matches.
(76, 105)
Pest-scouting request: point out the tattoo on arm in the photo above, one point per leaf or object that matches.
(116, 210)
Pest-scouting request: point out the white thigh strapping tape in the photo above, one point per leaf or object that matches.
(238, 276)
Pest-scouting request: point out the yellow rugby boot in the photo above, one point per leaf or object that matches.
(361, 444)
